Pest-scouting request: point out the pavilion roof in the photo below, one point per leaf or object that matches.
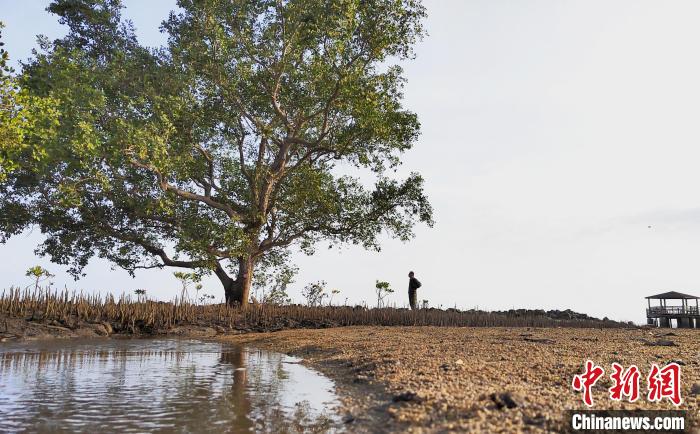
(672, 295)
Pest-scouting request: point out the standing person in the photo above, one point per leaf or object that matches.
(413, 285)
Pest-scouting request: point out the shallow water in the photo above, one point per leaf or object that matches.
(165, 385)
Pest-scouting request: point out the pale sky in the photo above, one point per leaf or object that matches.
(554, 134)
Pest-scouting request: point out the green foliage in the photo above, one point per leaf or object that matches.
(276, 274)
(21, 114)
(277, 296)
(39, 274)
(315, 293)
(37, 271)
(220, 151)
(382, 289)
(186, 280)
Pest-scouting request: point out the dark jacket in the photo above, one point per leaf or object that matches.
(413, 284)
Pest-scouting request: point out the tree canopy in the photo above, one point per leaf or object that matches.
(221, 150)
(19, 114)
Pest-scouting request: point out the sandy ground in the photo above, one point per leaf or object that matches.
(438, 379)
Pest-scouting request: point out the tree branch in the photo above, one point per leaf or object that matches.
(165, 186)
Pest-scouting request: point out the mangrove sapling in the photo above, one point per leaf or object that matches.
(333, 293)
(277, 296)
(187, 279)
(206, 298)
(383, 289)
(140, 294)
(315, 293)
(39, 274)
(198, 287)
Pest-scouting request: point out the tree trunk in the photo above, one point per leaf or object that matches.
(237, 290)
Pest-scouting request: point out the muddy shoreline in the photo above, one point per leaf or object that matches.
(442, 379)
(433, 379)
(14, 329)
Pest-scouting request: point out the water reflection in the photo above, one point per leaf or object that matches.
(159, 385)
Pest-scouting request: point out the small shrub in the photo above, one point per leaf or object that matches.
(334, 292)
(315, 293)
(186, 280)
(140, 294)
(277, 296)
(383, 289)
(206, 298)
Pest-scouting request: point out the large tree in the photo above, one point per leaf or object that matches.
(225, 148)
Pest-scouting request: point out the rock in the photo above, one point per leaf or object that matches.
(695, 389)
(407, 397)
(538, 420)
(539, 340)
(348, 418)
(659, 343)
(666, 334)
(503, 400)
(459, 362)
(360, 379)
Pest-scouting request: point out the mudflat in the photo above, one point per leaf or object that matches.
(436, 379)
